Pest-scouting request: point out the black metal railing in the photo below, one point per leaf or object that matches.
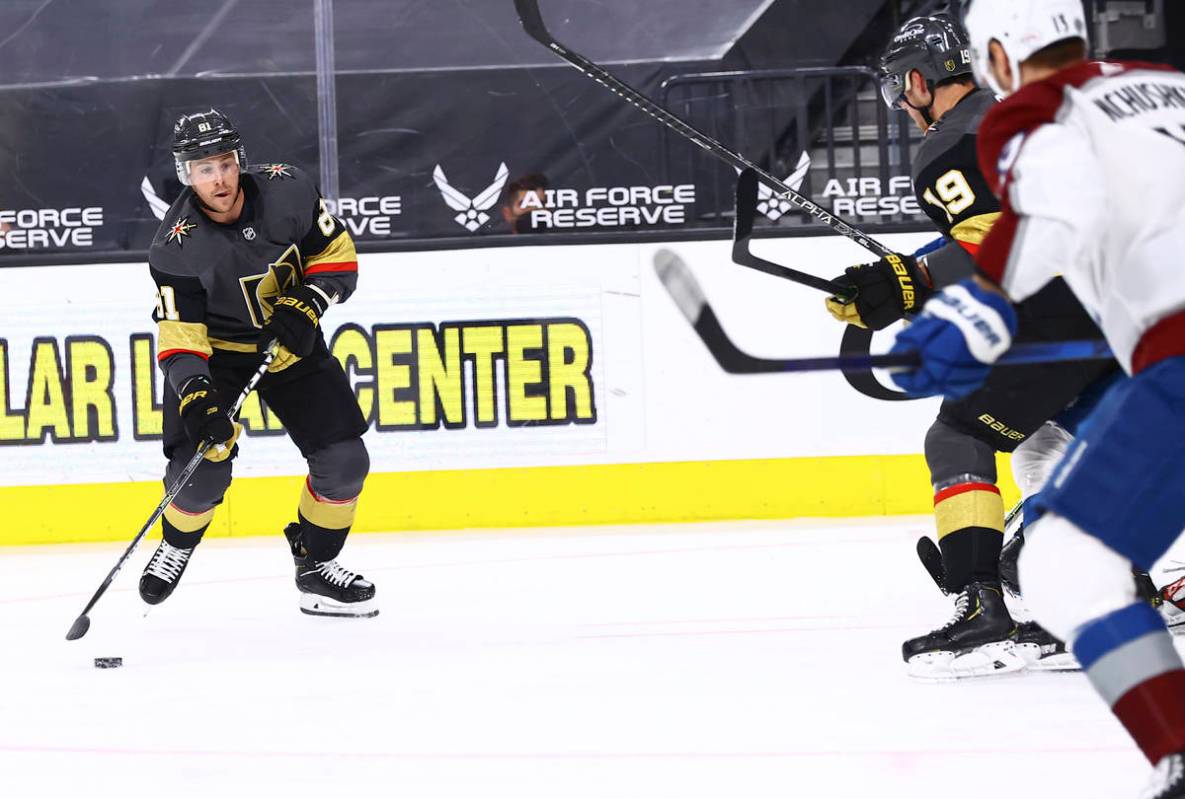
(824, 129)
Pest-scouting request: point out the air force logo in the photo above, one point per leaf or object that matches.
(774, 207)
(472, 212)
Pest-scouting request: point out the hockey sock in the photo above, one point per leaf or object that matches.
(325, 522)
(970, 522)
(1129, 657)
(183, 529)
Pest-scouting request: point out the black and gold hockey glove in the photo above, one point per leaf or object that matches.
(885, 292)
(204, 418)
(296, 315)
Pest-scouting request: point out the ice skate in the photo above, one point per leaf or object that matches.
(1172, 606)
(1168, 779)
(163, 572)
(327, 588)
(1041, 651)
(977, 641)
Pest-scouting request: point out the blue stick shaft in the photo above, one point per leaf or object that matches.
(1040, 352)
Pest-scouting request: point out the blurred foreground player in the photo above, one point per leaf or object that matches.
(246, 256)
(1088, 158)
(926, 70)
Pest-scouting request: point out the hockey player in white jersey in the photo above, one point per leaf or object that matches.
(1088, 159)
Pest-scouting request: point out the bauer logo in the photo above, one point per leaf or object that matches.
(471, 212)
(49, 228)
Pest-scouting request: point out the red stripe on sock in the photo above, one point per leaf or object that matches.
(1154, 713)
(308, 481)
(963, 488)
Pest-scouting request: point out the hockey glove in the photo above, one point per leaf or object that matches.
(205, 420)
(960, 333)
(884, 292)
(296, 317)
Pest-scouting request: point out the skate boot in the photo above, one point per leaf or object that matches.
(1041, 651)
(163, 572)
(326, 588)
(977, 641)
(1168, 779)
(1172, 606)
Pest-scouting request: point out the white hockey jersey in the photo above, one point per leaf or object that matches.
(1090, 165)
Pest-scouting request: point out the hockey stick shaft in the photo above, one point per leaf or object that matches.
(82, 623)
(746, 210)
(532, 22)
(689, 297)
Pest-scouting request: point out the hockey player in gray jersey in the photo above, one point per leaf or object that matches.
(247, 256)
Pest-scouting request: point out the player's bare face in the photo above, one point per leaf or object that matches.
(215, 180)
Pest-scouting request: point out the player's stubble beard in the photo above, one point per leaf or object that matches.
(211, 210)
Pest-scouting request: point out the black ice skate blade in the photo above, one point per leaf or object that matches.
(331, 614)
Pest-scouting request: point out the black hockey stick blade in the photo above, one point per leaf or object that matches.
(931, 557)
(79, 627)
(685, 290)
(532, 22)
(858, 341)
(746, 212)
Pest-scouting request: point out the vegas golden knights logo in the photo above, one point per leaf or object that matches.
(260, 291)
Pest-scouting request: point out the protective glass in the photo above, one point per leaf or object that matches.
(206, 171)
(893, 88)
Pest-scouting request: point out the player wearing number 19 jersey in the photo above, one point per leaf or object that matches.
(243, 257)
(926, 70)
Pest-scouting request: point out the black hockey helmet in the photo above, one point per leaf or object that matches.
(201, 135)
(936, 46)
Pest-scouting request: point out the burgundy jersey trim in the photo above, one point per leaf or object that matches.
(1033, 106)
(992, 258)
(1038, 104)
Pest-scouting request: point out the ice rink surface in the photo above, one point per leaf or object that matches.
(742, 660)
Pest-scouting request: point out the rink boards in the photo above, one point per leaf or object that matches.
(532, 385)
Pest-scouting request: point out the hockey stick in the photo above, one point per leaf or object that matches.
(687, 294)
(746, 212)
(856, 340)
(83, 623)
(931, 557)
(532, 21)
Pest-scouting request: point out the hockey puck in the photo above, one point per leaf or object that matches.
(108, 663)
